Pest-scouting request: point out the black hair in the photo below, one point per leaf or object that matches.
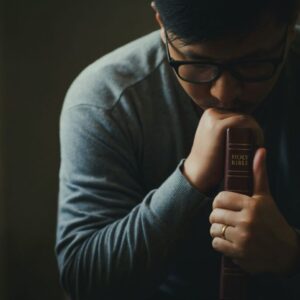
(202, 20)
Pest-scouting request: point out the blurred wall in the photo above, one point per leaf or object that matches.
(44, 45)
(2, 194)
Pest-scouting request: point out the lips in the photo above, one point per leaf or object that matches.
(239, 107)
(236, 106)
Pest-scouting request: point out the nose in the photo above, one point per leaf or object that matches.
(226, 89)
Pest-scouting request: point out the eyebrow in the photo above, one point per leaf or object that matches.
(257, 53)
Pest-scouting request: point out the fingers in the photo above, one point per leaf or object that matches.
(231, 119)
(217, 230)
(219, 114)
(224, 242)
(261, 184)
(231, 201)
(223, 216)
(224, 246)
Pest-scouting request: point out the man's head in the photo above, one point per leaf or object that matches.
(200, 20)
(227, 32)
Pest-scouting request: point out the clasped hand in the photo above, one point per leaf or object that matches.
(257, 238)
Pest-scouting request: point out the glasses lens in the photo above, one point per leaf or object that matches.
(255, 70)
(198, 72)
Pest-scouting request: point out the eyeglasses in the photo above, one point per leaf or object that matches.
(254, 70)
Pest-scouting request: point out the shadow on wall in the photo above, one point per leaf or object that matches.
(46, 44)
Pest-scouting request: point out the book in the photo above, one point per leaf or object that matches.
(238, 178)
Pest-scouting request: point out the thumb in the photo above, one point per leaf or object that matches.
(260, 176)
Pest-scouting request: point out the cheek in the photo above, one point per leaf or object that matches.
(256, 92)
(199, 93)
(251, 92)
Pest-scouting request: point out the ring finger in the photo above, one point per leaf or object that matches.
(217, 230)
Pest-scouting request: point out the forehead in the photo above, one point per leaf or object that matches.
(261, 40)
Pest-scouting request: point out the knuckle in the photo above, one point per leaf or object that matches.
(211, 218)
(219, 199)
(242, 118)
(215, 243)
(221, 195)
(212, 231)
(214, 203)
(208, 116)
(245, 239)
(207, 122)
(245, 222)
(246, 120)
(208, 112)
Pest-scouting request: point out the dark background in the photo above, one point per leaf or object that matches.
(43, 46)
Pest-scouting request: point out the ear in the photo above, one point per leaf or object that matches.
(292, 26)
(159, 21)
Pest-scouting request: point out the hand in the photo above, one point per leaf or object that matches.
(258, 238)
(205, 164)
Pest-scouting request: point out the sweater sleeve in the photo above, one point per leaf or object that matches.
(113, 238)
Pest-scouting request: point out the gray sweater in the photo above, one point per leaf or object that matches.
(130, 226)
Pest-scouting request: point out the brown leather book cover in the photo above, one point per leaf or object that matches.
(238, 178)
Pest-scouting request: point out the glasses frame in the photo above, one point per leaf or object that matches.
(229, 66)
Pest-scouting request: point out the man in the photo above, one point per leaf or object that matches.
(142, 214)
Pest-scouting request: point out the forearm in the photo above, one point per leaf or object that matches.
(109, 260)
(127, 254)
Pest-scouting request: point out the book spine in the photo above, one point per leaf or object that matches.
(238, 178)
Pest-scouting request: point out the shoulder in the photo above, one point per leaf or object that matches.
(102, 83)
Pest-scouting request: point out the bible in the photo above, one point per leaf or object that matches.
(238, 177)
